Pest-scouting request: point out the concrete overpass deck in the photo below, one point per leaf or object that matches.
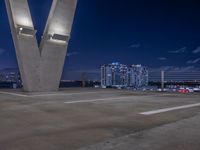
(99, 119)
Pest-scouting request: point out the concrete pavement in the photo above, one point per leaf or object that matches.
(101, 119)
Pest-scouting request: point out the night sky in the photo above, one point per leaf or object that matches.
(153, 33)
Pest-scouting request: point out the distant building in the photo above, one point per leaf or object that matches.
(119, 75)
(138, 76)
(106, 75)
(114, 74)
(10, 78)
(8, 75)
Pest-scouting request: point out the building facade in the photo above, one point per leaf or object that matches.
(10, 78)
(9, 75)
(119, 75)
(138, 76)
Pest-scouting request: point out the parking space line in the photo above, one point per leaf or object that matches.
(96, 100)
(62, 94)
(43, 95)
(169, 109)
(14, 94)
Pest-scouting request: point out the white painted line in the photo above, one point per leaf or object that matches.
(14, 94)
(43, 95)
(96, 100)
(169, 109)
(62, 94)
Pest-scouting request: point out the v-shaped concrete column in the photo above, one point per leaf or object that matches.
(41, 67)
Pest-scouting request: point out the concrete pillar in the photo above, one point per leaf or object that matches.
(41, 66)
(55, 41)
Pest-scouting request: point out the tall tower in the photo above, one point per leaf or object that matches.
(41, 66)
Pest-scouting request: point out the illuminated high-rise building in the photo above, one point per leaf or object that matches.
(114, 74)
(119, 75)
(138, 76)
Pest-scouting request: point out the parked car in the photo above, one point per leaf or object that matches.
(196, 89)
(183, 91)
(190, 89)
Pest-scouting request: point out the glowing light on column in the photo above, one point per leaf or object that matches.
(24, 21)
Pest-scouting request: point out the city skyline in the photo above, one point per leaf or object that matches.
(155, 34)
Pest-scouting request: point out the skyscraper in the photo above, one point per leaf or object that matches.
(138, 76)
(114, 74)
(119, 75)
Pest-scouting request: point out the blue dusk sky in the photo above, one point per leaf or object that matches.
(156, 33)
